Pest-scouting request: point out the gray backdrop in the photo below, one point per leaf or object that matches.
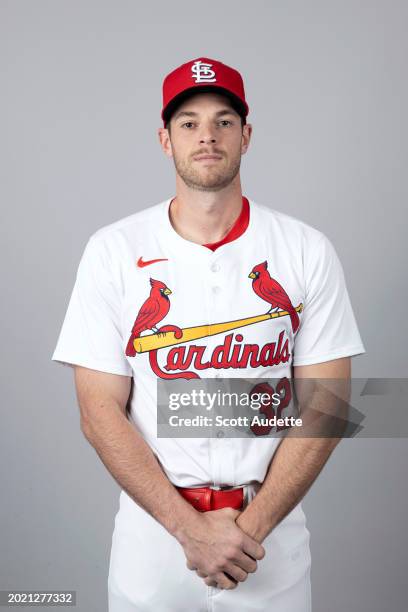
(81, 81)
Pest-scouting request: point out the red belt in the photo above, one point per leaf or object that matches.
(204, 498)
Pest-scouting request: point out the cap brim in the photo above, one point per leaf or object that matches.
(236, 102)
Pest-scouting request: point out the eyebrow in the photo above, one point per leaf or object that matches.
(225, 111)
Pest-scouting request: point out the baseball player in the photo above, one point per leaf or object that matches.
(205, 284)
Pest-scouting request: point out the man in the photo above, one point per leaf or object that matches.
(210, 523)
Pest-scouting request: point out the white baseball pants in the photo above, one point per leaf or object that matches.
(148, 573)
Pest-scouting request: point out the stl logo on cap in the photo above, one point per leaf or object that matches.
(206, 74)
(202, 72)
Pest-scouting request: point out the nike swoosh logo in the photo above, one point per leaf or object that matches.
(142, 264)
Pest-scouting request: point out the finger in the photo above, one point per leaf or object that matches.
(220, 581)
(224, 581)
(211, 582)
(201, 574)
(247, 563)
(231, 512)
(235, 572)
(190, 565)
(253, 549)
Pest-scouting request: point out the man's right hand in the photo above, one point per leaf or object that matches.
(214, 546)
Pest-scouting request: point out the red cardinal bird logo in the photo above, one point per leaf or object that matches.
(154, 309)
(271, 291)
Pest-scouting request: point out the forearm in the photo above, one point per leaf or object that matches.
(302, 453)
(133, 465)
(294, 467)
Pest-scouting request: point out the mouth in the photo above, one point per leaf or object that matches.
(207, 158)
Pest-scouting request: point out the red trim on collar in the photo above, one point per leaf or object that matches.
(237, 229)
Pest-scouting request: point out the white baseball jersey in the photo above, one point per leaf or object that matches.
(138, 275)
(207, 287)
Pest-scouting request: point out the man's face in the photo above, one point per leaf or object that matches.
(206, 141)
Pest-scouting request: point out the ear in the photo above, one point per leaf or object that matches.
(246, 137)
(165, 142)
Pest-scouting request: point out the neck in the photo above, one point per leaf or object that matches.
(205, 216)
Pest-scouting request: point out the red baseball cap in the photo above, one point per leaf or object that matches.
(203, 75)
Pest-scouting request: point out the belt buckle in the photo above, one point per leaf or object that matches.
(219, 488)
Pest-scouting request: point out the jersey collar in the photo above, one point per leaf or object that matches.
(241, 233)
(237, 229)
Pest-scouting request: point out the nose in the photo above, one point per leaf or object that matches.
(207, 134)
(207, 139)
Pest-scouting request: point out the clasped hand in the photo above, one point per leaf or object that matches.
(219, 551)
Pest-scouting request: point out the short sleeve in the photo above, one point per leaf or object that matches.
(328, 328)
(91, 331)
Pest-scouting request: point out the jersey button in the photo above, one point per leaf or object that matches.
(214, 267)
(216, 289)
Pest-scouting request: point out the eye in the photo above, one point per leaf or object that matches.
(188, 123)
(226, 121)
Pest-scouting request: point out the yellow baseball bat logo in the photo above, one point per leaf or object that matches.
(152, 342)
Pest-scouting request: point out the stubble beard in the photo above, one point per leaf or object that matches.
(208, 180)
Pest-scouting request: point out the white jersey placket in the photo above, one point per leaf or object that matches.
(211, 265)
